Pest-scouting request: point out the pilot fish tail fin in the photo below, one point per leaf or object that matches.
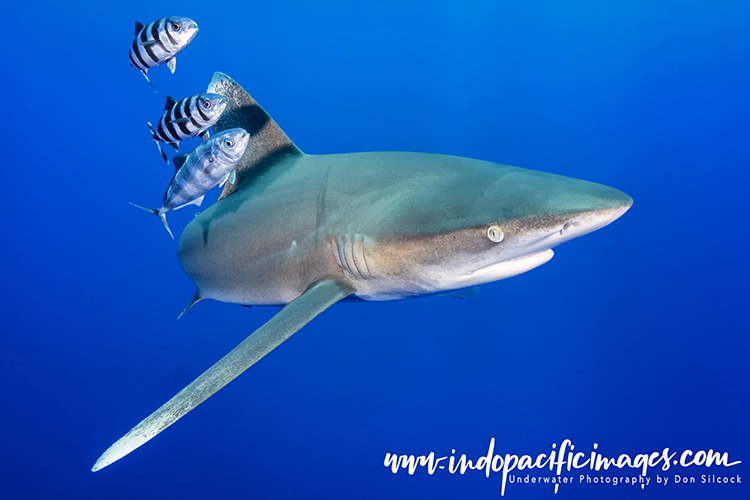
(268, 142)
(144, 72)
(158, 213)
(289, 320)
(158, 146)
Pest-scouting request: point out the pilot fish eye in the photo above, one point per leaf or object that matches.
(495, 234)
(206, 104)
(175, 26)
(228, 143)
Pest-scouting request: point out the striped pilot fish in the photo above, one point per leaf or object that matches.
(160, 42)
(197, 172)
(187, 118)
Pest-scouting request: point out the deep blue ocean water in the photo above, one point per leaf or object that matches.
(634, 337)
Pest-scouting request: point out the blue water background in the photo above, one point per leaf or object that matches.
(634, 337)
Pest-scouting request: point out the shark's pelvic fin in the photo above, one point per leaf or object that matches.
(196, 298)
(267, 140)
(291, 318)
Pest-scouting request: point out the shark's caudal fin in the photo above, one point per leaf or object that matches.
(291, 318)
(266, 138)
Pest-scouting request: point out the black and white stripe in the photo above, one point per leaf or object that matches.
(148, 56)
(187, 118)
(159, 42)
(210, 164)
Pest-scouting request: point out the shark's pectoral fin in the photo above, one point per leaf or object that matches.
(291, 318)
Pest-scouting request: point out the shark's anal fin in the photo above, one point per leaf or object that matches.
(266, 137)
(291, 318)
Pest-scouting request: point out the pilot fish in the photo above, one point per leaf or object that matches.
(187, 118)
(197, 172)
(160, 42)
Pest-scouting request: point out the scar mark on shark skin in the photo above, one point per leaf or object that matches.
(321, 205)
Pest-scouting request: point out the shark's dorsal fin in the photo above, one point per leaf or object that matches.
(266, 138)
(170, 102)
(138, 27)
(291, 318)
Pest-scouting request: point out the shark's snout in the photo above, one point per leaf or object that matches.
(601, 213)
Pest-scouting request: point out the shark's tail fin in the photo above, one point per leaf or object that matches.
(157, 212)
(153, 136)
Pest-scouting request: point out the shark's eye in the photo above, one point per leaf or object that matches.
(495, 234)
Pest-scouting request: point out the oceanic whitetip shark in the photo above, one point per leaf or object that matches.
(306, 231)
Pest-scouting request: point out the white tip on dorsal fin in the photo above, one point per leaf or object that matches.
(268, 143)
(171, 64)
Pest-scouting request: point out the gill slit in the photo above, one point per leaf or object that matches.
(349, 253)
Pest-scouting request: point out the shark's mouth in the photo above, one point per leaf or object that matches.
(499, 271)
(530, 256)
(514, 267)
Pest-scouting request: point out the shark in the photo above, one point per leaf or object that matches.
(307, 231)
